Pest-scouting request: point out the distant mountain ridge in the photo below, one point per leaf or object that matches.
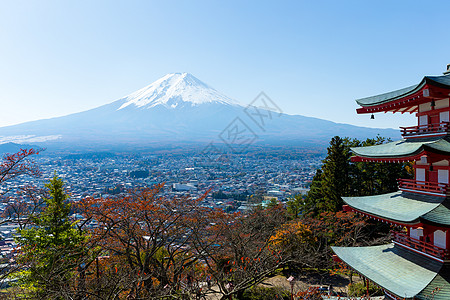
(9, 148)
(178, 108)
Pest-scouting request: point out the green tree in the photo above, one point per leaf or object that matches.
(339, 177)
(315, 193)
(369, 178)
(51, 250)
(335, 178)
(294, 206)
(273, 202)
(331, 182)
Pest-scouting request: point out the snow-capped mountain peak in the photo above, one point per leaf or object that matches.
(173, 90)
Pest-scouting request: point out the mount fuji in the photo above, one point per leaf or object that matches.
(177, 108)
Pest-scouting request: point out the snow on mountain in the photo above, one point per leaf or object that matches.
(174, 90)
(178, 108)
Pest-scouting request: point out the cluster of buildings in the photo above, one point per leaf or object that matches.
(114, 174)
(235, 179)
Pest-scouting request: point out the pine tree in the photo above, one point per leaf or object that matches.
(51, 250)
(339, 177)
(331, 181)
(335, 180)
(294, 206)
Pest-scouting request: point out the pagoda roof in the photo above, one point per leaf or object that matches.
(400, 207)
(439, 215)
(438, 287)
(405, 149)
(439, 81)
(399, 271)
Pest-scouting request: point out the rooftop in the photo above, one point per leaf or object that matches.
(404, 208)
(414, 275)
(438, 81)
(405, 149)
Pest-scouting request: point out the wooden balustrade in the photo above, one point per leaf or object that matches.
(421, 246)
(423, 186)
(442, 127)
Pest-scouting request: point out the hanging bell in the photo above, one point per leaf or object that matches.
(372, 117)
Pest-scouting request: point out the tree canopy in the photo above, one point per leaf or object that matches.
(50, 250)
(339, 177)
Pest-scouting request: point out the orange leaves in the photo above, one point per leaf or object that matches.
(293, 232)
(170, 239)
(339, 268)
(149, 236)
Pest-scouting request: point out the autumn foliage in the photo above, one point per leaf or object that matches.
(146, 239)
(147, 245)
(17, 164)
(236, 248)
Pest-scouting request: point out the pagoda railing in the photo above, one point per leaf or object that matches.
(423, 186)
(443, 127)
(421, 246)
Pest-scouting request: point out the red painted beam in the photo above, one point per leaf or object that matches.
(424, 95)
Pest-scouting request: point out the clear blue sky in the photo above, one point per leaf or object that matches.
(311, 57)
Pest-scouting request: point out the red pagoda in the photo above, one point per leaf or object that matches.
(416, 265)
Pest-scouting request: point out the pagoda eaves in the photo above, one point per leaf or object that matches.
(407, 99)
(404, 150)
(398, 207)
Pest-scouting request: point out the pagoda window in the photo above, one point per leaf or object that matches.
(416, 233)
(423, 160)
(423, 120)
(444, 116)
(443, 176)
(439, 238)
(420, 174)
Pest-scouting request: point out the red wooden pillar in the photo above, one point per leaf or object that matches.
(367, 288)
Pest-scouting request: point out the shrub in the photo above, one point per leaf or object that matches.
(359, 289)
(263, 293)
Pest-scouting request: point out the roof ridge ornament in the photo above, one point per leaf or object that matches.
(448, 70)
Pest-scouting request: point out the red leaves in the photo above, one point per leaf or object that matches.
(17, 164)
(147, 234)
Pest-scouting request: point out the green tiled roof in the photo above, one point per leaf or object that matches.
(401, 272)
(398, 206)
(440, 215)
(439, 287)
(403, 148)
(386, 97)
(441, 81)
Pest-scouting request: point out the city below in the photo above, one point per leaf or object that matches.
(234, 181)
